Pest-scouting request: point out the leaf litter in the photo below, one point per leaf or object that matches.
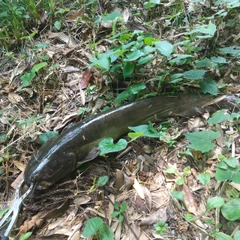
(144, 184)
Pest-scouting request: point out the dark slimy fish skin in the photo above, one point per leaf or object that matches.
(61, 155)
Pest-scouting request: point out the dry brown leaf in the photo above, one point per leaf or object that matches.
(62, 36)
(36, 222)
(154, 217)
(14, 98)
(139, 189)
(119, 179)
(189, 200)
(110, 207)
(85, 78)
(17, 181)
(73, 15)
(82, 200)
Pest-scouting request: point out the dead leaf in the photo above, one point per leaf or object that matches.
(189, 200)
(62, 36)
(73, 15)
(85, 78)
(138, 188)
(154, 217)
(14, 97)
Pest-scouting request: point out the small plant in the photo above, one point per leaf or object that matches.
(160, 227)
(101, 182)
(182, 176)
(96, 227)
(119, 211)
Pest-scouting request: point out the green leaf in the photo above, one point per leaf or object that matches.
(25, 236)
(107, 146)
(202, 141)
(92, 226)
(231, 210)
(206, 62)
(134, 55)
(234, 51)
(131, 90)
(44, 137)
(114, 214)
(103, 62)
(171, 170)
(27, 78)
(165, 48)
(127, 69)
(219, 117)
(222, 236)
(236, 235)
(147, 131)
(38, 66)
(102, 181)
(194, 74)
(204, 178)
(135, 135)
(58, 25)
(223, 174)
(209, 30)
(218, 60)
(178, 195)
(189, 217)
(145, 59)
(180, 181)
(209, 86)
(214, 202)
(111, 16)
(106, 233)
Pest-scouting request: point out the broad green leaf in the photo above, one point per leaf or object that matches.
(234, 51)
(218, 60)
(102, 181)
(210, 29)
(223, 174)
(236, 177)
(178, 195)
(149, 41)
(206, 62)
(107, 145)
(111, 16)
(92, 226)
(171, 170)
(236, 235)
(194, 74)
(148, 132)
(27, 78)
(231, 210)
(179, 59)
(127, 69)
(204, 178)
(165, 48)
(38, 66)
(222, 236)
(131, 90)
(44, 137)
(148, 49)
(145, 59)
(42, 45)
(209, 86)
(214, 202)
(180, 181)
(25, 236)
(189, 217)
(219, 117)
(58, 25)
(202, 141)
(135, 135)
(106, 233)
(103, 62)
(136, 88)
(134, 55)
